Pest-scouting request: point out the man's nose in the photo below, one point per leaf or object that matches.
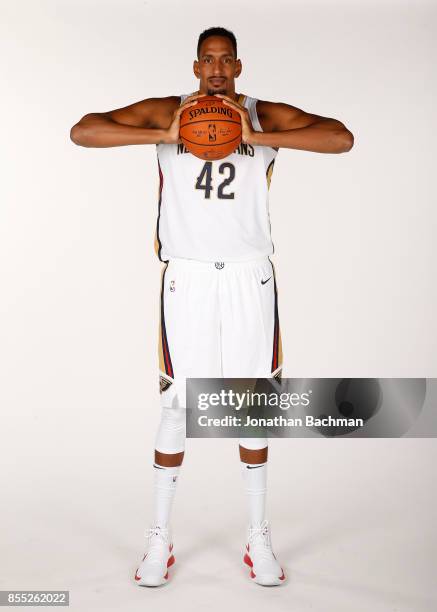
(217, 69)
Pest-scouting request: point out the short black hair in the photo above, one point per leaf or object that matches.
(217, 31)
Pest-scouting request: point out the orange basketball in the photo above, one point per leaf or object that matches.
(210, 129)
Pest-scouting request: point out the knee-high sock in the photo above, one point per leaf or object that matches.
(255, 480)
(165, 487)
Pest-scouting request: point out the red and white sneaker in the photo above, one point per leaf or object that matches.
(264, 568)
(153, 569)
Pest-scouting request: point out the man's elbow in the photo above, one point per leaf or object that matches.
(345, 140)
(75, 134)
(80, 132)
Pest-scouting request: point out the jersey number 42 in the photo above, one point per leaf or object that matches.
(204, 180)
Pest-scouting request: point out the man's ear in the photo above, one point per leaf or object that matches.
(238, 68)
(196, 69)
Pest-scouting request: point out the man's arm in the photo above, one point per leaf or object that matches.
(290, 127)
(151, 121)
(293, 128)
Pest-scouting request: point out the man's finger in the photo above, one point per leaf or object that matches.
(228, 98)
(233, 105)
(187, 102)
(193, 97)
(181, 108)
(230, 102)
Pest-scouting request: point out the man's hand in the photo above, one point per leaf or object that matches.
(171, 135)
(247, 130)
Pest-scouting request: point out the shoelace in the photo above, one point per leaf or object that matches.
(157, 537)
(161, 532)
(259, 538)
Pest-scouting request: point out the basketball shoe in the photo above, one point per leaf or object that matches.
(153, 569)
(264, 568)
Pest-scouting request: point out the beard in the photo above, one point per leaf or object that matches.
(212, 92)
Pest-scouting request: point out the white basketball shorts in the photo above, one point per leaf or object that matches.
(218, 320)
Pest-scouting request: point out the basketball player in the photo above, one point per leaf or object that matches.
(219, 308)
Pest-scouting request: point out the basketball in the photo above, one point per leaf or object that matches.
(210, 129)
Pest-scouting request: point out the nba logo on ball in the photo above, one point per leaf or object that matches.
(211, 132)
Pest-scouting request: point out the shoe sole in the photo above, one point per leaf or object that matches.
(160, 581)
(263, 580)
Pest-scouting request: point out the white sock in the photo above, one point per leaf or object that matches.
(255, 480)
(165, 487)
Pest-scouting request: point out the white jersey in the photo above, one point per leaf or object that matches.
(215, 210)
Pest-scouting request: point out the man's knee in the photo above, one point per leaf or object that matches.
(171, 433)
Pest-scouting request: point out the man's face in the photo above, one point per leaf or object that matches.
(217, 66)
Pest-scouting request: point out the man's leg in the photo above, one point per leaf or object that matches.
(251, 344)
(166, 474)
(189, 346)
(169, 453)
(254, 468)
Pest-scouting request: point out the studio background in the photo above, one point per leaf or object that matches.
(352, 520)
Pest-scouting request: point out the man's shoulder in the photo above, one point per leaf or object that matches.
(160, 110)
(268, 108)
(166, 103)
(266, 112)
(171, 100)
(272, 115)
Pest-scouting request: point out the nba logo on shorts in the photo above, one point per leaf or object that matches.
(172, 285)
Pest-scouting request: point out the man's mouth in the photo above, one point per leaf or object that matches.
(217, 81)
